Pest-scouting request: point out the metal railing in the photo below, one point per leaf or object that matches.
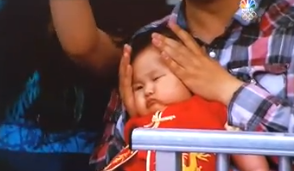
(169, 143)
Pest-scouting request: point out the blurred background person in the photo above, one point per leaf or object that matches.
(52, 108)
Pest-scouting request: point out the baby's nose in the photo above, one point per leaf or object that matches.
(149, 90)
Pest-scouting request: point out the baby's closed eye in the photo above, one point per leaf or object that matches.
(157, 77)
(137, 87)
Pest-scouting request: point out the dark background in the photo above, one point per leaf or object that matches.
(28, 44)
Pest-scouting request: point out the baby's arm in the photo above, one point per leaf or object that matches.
(250, 163)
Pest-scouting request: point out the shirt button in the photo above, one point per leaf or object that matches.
(212, 54)
(252, 81)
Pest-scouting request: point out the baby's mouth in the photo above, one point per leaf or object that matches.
(150, 103)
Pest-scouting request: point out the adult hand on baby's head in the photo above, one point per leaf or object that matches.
(201, 74)
(125, 82)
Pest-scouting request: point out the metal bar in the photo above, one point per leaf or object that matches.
(179, 140)
(285, 164)
(222, 162)
(170, 161)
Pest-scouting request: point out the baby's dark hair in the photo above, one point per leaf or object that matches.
(143, 40)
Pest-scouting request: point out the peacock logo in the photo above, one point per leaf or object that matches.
(247, 4)
(248, 8)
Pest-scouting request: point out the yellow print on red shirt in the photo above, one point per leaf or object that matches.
(190, 161)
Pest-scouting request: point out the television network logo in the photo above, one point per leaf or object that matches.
(248, 8)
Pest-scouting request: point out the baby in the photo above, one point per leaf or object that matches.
(163, 101)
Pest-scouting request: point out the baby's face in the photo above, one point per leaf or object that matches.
(154, 85)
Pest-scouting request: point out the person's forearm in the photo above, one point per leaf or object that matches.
(252, 108)
(75, 25)
(80, 38)
(250, 163)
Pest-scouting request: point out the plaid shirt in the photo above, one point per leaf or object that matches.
(259, 52)
(112, 141)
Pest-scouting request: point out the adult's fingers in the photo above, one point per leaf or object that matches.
(186, 38)
(127, 91)
(125, 60)
(165, 40)
(176, 68)
(174, 49)
(125, 81)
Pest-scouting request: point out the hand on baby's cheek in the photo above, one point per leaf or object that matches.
(154, 85)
